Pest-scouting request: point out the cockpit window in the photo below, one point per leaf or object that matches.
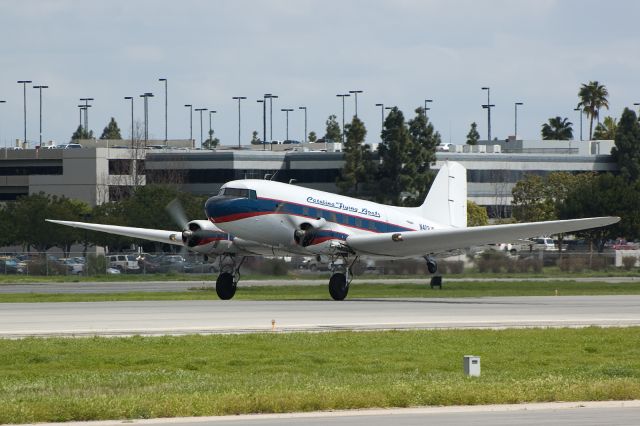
(238, 193)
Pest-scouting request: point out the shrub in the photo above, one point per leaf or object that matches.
(628, 262)
(96, 264)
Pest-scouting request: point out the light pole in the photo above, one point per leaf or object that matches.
(190, 121)
(40, 90)
(287, 111)
(515, 131)
(131, 99)
(271, 98)
(343, 96)
(5, 147)
(24, 87)
(165, 108)
(355, 95)
(263, 101)
(146, 97)
(381, 117)
(80, 108)
(636, 103)
(580, 118)
(210, 127)
(488, 106)
(86, 114)
(426, 101)
(305, 122)
(200, 110)
(239, 99)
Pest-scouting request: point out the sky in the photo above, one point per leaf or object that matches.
(398, 52)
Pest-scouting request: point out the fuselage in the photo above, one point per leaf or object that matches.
(273, 213)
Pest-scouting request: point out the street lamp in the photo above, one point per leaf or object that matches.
(146, 97)
(40, 90)
(80, 109)
(165, 108)
(86, 114)
(426, 101)
(515, 131)
(287, 111)
(5, 148)
(305, 122)
(210, 127)
(131, 99)
(263, 101)
(355, 94)
(271, 97)
(488, 107)
(200, 111)
(239, 99)
(24, 87)
(381, 117)
(343, 96)
(190, 121)
(580, 118)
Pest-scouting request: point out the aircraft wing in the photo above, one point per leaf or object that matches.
(161, 236)
(418, 243)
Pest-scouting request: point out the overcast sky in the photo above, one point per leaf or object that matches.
(398, 52)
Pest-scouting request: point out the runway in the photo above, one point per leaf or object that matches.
(237, 316)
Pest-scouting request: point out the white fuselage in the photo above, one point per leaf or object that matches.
(274, 211)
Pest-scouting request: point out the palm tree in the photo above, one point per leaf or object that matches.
(557, 129)
(606, 130)
(593, 96)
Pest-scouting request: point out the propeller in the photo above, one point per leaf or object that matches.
(191, 232)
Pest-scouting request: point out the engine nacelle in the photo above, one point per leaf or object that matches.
(203, 236)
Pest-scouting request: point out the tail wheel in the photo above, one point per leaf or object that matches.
(225, 286)
(338, 287)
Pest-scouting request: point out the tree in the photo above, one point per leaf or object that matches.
(424, 139)
(111, 131)
(255, 139)
(394, 177)
(473, 136)
(530, 200)
(312, 137)
(606, 130)
(353, 172)
(557, 129)
(593, 96)
(211, 142)
(81, 133)
(476, 215)
(626, 151)
(333, 133)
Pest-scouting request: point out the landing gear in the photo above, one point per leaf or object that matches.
(432, 265)
(340, 279)
(338, 287)
(225, 286)
(229, 276)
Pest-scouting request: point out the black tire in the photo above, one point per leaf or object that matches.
(225, 287)
(338, 287)
(432, 266)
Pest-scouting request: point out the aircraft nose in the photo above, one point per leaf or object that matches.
(224, 209)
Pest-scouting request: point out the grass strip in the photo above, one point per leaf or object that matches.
(357, 290)
(44, 380)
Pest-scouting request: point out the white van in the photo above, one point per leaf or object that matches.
(543, 243)
(124, 262)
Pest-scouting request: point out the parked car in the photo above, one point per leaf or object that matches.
(200, 267)
(124, 262)
(70, 146)
(446, 147)
(73, 266)
(543, 243)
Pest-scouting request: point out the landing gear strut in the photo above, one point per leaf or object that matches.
(340, 279)
(229, 276)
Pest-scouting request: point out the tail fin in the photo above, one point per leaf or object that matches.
(446, 202)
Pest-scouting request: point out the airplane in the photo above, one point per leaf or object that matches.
(266, 218)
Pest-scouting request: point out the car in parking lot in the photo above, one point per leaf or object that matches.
(445, 147)
(124, 262)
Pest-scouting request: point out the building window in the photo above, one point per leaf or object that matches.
(119, 167)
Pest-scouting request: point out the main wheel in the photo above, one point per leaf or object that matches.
(432, 266)
(225, 287)
(338, 287)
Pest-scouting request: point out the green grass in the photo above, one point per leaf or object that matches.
(357, 290)
(141, 377)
